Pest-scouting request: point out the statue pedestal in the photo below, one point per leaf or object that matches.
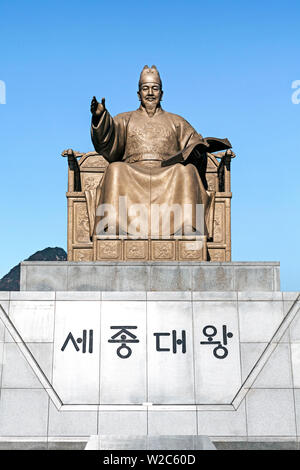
(150, 276)
(174, 349)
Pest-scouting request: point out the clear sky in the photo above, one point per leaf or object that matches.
(227, 67)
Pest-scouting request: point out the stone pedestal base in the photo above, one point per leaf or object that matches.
(149, 276)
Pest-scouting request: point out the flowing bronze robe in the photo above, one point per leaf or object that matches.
(135, 145)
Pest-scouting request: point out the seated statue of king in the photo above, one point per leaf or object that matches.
(157, 164)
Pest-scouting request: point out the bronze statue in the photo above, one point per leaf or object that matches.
(150, 158)
(155, 157)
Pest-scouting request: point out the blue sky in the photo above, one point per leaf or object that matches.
(226, 66)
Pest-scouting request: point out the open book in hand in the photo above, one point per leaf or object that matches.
(209, 144)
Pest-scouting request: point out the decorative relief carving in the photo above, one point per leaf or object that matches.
(219, 223)
(192, 250)
(90, 181)
(163, 250)
(217, 254)
(83, 254)
(109, 249)
(211, 181)
(81, 229)
(136, 249)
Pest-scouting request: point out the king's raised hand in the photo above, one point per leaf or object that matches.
(97, 109)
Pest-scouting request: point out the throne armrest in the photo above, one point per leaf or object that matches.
(224, 170)
(74, 180)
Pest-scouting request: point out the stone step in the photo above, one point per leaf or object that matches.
(121, 442)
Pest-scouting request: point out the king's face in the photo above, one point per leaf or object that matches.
(150, 94)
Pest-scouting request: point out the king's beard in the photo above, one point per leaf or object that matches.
(151, 106)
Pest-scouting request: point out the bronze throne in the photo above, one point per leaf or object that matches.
(85, 171)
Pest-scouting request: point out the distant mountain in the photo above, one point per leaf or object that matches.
(11, 281)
